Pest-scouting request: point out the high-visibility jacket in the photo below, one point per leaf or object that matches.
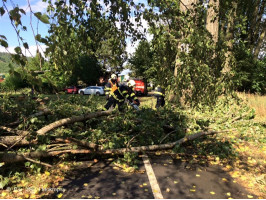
(159, 92)
(124, 92)
(110, 87)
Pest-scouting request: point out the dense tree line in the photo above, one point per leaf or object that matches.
(199, 49)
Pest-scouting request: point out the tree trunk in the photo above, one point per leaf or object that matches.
(185, 5)
(260, 43)
(10, 140)
(14, 157)
(212, 24)
(229, 39)
(17, 132)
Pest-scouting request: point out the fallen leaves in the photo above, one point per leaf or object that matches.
(59, 195)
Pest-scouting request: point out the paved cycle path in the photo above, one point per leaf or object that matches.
(176, 180)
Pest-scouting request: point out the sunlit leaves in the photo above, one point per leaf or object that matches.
(3, 43)
(42, 17)
(59, 195)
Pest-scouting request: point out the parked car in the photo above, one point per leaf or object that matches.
(97, 90)
(72, 89)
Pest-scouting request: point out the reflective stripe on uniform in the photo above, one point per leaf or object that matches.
(159, 93)
(115, 97)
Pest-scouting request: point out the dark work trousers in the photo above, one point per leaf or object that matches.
(112, 102)
(160, 102)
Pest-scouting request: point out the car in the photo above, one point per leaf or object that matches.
(72, 89)
(96, 90)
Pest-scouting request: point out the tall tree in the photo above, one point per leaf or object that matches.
(212, 22)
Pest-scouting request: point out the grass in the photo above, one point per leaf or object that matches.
(257, 102)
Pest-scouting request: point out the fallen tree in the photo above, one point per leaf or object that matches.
(15, 157)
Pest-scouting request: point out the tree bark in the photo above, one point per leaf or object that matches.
(17, 132)
(261, 39)
(212, 24)
(10, 140)
(229, 38)
(70, 120)
(14, 157)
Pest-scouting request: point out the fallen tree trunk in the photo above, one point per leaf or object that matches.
(71, 120)
(13, 157)
(161, 146)
(83, 143)
(17, 132)
(41, 113)
(10, 140)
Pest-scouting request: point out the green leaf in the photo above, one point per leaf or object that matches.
(2, 11)
(2, 36)
(22, 11)
(18, 50)
(38, 37)
(3, 43)
(42, 17)
(27, 164)
(26, 46)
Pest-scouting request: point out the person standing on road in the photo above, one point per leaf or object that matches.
(123, 92)
(159, 94)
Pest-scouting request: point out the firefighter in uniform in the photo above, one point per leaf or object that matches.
(123, 92)
(159, 94)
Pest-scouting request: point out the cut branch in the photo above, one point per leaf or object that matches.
(13, 157)
(162, 146)
(71, 120)
(17, 132)
(11, 140)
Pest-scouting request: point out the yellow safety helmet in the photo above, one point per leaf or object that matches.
(131, 83)
(113, 76)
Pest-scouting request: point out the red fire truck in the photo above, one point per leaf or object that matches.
(141, 86)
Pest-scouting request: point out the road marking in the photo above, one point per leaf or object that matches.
(153, 181)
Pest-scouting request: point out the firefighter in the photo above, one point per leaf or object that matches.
(111, 86)
(123, 92)
(159, 94)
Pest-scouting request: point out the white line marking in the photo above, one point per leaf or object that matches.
(153, 181)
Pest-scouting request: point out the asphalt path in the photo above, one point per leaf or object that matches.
(169, 178)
